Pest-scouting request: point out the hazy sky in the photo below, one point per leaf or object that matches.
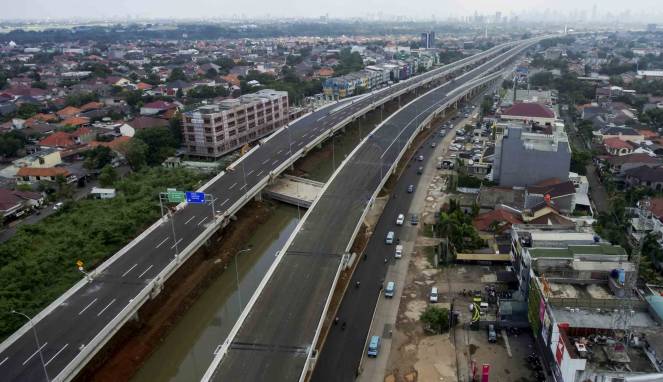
(58, 9)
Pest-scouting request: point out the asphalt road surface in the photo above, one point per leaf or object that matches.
(66, 330)
(276, 336)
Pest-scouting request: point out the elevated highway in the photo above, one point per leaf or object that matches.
(78, 324)
(276, 334)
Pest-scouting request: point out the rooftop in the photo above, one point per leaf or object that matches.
(574, 251)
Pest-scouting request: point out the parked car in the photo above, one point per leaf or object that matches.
(58, 205)
(414, 219)
(374, 346)
(410, 188)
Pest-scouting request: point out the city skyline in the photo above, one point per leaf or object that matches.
(391, 9)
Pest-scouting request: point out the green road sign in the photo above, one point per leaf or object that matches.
(175, 196)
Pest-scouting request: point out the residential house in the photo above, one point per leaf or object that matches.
(14, 203)
(617, 147)
(30, 175)
(157, 107)
(645, 176)
(529, 112)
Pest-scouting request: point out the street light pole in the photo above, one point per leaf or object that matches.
(34, 332)
(239, 289)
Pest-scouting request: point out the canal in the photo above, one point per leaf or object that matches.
(188, 349)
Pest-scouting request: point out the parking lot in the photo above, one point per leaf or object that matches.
(450, 356)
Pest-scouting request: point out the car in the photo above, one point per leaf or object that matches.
(453, 156)
(374, 346)
(433, 144)
(420, 170)
(439, 166)
(58, 205)
(390, 289)
(433, 295)
(453, 148)
(414, 219)
(410, 188)
(492, 335)
(399, 251)
(400, 219)
(420, 158)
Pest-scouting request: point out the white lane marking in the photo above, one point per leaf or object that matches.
(260, 173)
(128, 270)
(106, 307)
(224, 202)
(250, 172)
(56, 354)
(243, 187)
(233, 186)
(160, 244)
(301, 144)
(321, 118)
(88, 305)
(201, 222)
(279, 152)
(191, 218)
(4, 360)
(145, 271)
(35, 353)
(275, 162)
(174, 245)
(265, 161)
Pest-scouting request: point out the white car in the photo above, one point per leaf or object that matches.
(58, 205)
(399, 251)
(400, 219)
(453, 148)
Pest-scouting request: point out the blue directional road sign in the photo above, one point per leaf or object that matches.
(195, 197)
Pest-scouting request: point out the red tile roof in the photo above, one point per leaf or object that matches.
(68, 112)
(616, 143)
(529, 109)
(75, 121)
(92, 106)
(162, 105)
(648, 134)
(47, 171)
(58, 139)
(656, 207)
(482, 221)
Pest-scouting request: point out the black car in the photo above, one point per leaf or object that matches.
(410, 188)
(414, 219)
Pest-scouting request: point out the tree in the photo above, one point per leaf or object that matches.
(64, 189)
(436, 318)
(507, 84)
(486, 105)
(211, 73)
(177, 74)
(27, 110)
(98, 157)
(160, 144)
(39, 85)
(11, 143)
(136, 153)
(541, 79)
(108, 176)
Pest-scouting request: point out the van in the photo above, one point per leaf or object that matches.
(390, 237)
(374, 346)
(399, 251)
(433, 294)
(389, 290)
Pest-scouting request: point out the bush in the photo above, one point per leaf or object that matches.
(436, 319)
(38, 263)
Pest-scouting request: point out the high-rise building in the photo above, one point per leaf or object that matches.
(214, 130)
(428, 40)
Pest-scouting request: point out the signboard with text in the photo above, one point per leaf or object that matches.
(195, 197)
(175, 196)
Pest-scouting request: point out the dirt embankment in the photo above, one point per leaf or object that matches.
(133, 344)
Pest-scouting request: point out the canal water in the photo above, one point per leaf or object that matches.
(188, 349)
